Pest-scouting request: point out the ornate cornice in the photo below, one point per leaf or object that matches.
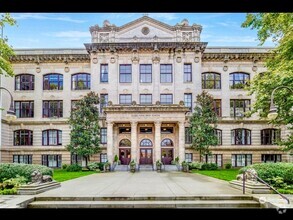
(50, 58)
(113, 47)
(226, 57)
(146, 108)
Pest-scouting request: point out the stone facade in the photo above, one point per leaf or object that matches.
(143, 41)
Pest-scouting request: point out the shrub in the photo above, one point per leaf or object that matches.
(95, 166)
(13, 170)
(12, 182)
(116, 158)
(195, 165)
(64, 166)
(228, 166)
(74, 168)
(268, 171)
(12, 191)
(209, 166)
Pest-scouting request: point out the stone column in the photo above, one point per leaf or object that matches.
(157, 146)
(134, 141)
(110, 141)
(181, 143)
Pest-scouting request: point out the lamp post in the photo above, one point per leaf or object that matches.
(273, 109)
(10, 116)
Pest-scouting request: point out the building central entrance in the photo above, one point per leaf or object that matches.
(125, 155)
(146, 156)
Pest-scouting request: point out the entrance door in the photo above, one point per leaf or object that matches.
(146, 156)
(167, 155)
(125, 155)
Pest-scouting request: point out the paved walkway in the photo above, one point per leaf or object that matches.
(143, 184)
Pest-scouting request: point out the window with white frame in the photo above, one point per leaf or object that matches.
(103, 158)
(27, 159)
(188, 157)
(214, 158)
(103, 134)
(241, 160)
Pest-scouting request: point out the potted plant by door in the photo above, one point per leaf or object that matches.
(185, 166)
(132, 166)
(107, 166)
(159, 165)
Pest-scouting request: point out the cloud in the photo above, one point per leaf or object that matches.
(69, 34)
(164, 16)
(43, 16)
(229, 24)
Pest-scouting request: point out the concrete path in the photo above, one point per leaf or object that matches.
(143, 184)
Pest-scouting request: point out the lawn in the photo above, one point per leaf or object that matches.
(227, 175)
(62, 175)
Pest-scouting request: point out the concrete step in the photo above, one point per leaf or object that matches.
(171, 168)
(147, 204)
(145, 168)
(121, 168)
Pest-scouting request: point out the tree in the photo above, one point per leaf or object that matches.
(5, 50)
(203, 123)
(85, 130)
(278, 27)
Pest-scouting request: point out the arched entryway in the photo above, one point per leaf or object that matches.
(167, 151)
(125, 151)
(146, 152)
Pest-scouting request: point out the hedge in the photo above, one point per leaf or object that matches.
(267, 171)
(74, 168)
(12, 170)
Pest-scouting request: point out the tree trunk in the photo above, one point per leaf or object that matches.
(200, 156)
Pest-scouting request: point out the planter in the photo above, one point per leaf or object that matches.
(159, 167)
(132, 169)
(107, 168)
(185, 168)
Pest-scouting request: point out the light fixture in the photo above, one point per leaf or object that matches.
(127, 129)
(10, 116)
(164, 129)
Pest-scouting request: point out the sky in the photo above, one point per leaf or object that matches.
(71, 30)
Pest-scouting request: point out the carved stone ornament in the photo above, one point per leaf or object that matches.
(37, 177)
(178, 59)
(156, 58)
(145, 30)
(112, 59)
(254, 68)
(135, 59)
(186, 36)
(196, 59)
(95, 60)
(38, 69)
(225, 68)
(66, 69)
(104, 37)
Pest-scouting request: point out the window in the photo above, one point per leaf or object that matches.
(188, 100)
(23, 138)
(103, 101)
(241, 137)
(166, 99)
(218, 134)
(270, 136)
(238, 107)
(25, 82)
(166, 130)
(103, 158)
(52, 109)
(218, 107)
(188, 157)
(81, 81)
(145, 99)
(78, 159)
(125, 73)
(53, 161)
(146, 143)
(214, 158)
(145, 71)
(211, 80)
(24, 109)
(166, 73)
(271, 158)
(167, 143)
(103, 135)
(104, 73)
(145, 130)
(27, 159)
(125, 99)
(52, 137)
(241, 160)
(53, 81)
(124, 130)
(238, 80)
(187, 72)
(188, 136)
(73, 104)
(125, 143)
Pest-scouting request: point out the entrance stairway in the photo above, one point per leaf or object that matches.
(224, 201)
(121, 168)
(145, 167)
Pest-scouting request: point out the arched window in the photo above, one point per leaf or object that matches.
(241, 137)
(125, 143)
(23, 137)
(53, 81)
(238, 80)
(25, 82)
(211, 80)
(270, 136)
(52, 137)
(81, 81)
(146, 143)
(167, 143)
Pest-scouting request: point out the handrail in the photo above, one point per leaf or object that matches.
(284, 197)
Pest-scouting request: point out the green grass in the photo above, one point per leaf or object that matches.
(226, 175)
(62, 175)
